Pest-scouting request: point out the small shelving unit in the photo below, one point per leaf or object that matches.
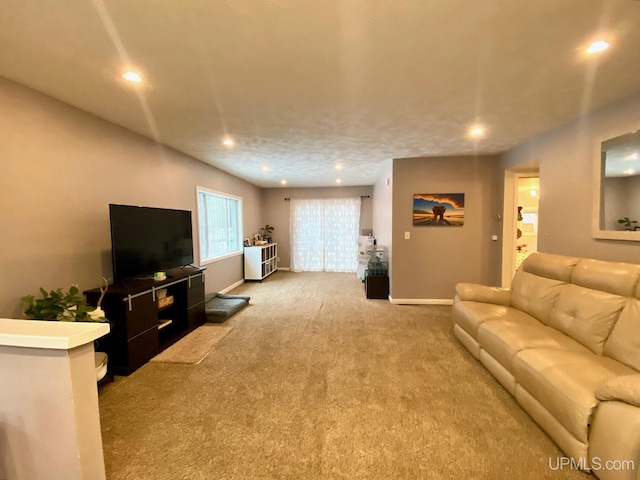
(260, 261)
(376, 279)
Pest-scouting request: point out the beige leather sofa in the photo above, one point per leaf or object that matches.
(565, 341)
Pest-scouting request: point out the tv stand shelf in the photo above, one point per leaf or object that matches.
(140, 327)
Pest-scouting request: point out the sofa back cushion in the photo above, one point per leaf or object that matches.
(613, 277)
(537, 283)
(587, 309)
(586, 315)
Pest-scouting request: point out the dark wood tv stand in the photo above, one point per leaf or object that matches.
(142, 323)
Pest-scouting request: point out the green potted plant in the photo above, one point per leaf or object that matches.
(266, 232)
(627, 223)
(67, 306)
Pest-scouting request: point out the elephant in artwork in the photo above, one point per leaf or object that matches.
(438, 213)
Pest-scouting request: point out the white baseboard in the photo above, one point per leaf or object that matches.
(284, 269)
(421, 301)
(228, 289)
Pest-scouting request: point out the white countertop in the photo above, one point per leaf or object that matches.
(53, 334)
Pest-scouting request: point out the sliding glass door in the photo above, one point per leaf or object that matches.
(324, 233)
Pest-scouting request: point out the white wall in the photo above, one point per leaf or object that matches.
(61, 167)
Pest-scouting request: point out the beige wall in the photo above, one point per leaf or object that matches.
(565, 158)
(275, 211)
(428, 266)
(61, 167)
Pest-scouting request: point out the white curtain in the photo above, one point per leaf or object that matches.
(324, 234)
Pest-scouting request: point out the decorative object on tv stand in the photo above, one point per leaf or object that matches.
(267, 230)
(63, 306)
(438, 209)
(70, 307)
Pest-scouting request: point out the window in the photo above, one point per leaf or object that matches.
(219, 225)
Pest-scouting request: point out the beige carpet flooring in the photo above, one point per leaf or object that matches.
(194, 348)
(316, 382)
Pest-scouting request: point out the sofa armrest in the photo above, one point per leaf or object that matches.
(482, 293)
(625, 388)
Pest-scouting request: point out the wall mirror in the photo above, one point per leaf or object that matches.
(617, 187)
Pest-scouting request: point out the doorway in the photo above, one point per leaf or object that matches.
(520, 225)
(527, 219)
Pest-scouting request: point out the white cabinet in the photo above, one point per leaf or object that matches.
(260, 261)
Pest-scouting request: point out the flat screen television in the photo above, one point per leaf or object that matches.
(145, 240)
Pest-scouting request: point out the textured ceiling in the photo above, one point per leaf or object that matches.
(303, 84)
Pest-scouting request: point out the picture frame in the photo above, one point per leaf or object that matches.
(438, 209)
(247, 241)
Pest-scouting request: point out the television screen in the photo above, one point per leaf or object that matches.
(145, 240)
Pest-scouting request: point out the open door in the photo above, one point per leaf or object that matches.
(519, 227)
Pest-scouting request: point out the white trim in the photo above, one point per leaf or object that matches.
(49, 335)
(240, 251)
(223, 257)
(598, 173)
(231, 287)
(509, 227)
(218, 193)
(421, 301)
(284, 269)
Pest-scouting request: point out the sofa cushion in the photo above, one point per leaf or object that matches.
(536, 283)
(616, 278)
(624, 389)
(533, 294)
(586, 315)
(564, 382)
(470, 315)
(482, 293)
(503, 339)
(624, 342)
(547, 265)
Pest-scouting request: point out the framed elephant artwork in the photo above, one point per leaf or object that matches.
(438, 209)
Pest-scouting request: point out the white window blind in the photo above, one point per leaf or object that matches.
(219, 224)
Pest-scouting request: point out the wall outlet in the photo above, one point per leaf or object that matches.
(407, 235)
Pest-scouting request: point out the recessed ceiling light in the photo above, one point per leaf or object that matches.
(132, 76)
(228, 142)
(533, 192)
(633, 156)
(629, 171)
(476, 131)
(597, 47)
(283, 181)
(338, 180)
(339, 166)
(264, 168)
